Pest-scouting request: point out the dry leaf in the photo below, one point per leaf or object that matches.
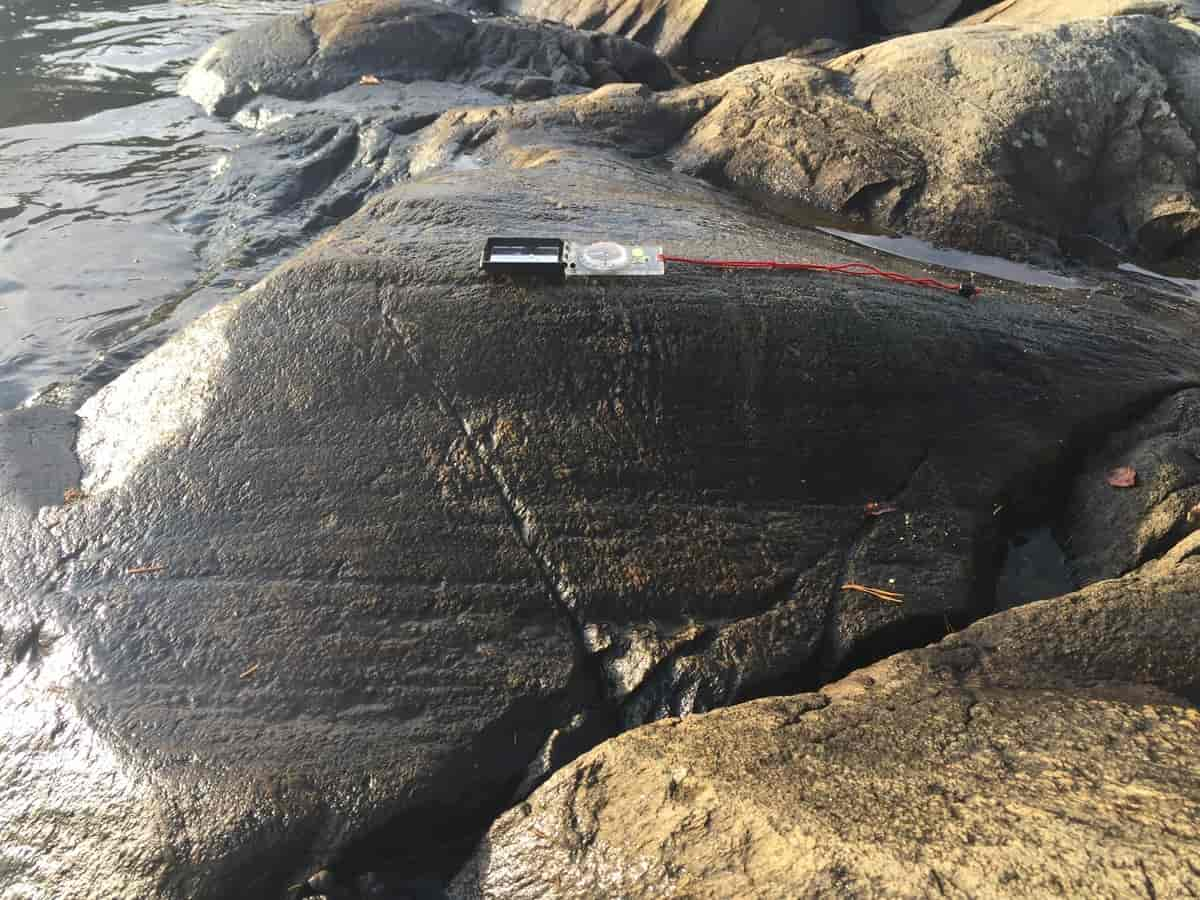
(1123, 477)
(875, 508)
(370, 79)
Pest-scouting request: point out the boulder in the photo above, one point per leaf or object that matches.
(997, 139)
(333, 575)
(1083, 128)
(1045, 751)
(1013, 12)
(690, 30)
(908, 16)
(334, 45)
(357, 551)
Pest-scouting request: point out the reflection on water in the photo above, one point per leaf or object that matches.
(61, 60)
(90, 249)
(87, 246)
(1035, 568)
(1185, 287)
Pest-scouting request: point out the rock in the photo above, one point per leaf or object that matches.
(1055, 130)
(536, 87)
(412, 522)
(307, 657)
(853, 137)
(327, 885)
(1111, 532)
(1020, 757)
(906, 16)
(821, 50)
(358, 549)
(1015, 160)
(1012, 12)
(332, 46)
(690, 30)
(311, 164)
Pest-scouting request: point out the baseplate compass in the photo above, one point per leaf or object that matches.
(608, 258)
(574, 259)
(556, 258)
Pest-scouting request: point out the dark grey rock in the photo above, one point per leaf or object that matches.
(907, 16)
(336, 44)
(535, 87)
(1111, 531)
(359, 546)
(412, 521)
(688, 30)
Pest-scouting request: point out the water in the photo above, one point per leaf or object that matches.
(98, 159)
(1183, 287)
(956, 260)
(1035, 568)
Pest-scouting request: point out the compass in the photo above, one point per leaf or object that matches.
(604, 256)
(557, 258)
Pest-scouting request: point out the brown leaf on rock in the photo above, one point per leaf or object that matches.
(1123, 477)
(370, 79)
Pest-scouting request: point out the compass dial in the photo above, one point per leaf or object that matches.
(604, 256)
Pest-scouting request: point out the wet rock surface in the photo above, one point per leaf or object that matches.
(410, 522)
(336, 44)
(361, 557)
(1045, 750)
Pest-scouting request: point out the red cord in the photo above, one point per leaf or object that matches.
(861, 269)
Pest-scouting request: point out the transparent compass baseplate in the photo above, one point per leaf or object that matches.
(599, 259)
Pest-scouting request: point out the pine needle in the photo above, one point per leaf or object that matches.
(877, 593)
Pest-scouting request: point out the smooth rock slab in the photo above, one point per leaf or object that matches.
(306, 652)
(355, 545)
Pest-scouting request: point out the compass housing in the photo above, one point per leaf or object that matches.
(600, 259)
